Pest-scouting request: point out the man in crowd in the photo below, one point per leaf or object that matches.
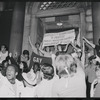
(96, 47)
(35, 48)
(9, 85)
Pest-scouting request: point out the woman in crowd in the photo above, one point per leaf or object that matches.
(24, 57)
(22, 68)
(36, 71)
(72, 78)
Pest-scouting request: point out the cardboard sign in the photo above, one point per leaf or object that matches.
(58, 38)
(39, 59)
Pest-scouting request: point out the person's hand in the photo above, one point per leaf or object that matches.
(10, 54)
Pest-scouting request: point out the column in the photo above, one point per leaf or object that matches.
(33, 31)
(96, 21)
(16, 36)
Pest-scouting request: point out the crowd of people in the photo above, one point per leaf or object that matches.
(74, 72)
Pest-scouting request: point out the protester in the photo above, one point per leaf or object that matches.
(9, 85)
(36, 70)
(35, 48)
(72, 78)
(3, 53)
(4, 67)
(29, 81)
(24, 57)
(46, 52)
(22, 68)
(95, 86)
(44, 89)
(90, 73)
(96, 47)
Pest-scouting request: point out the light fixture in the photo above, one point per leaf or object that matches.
(59, 23)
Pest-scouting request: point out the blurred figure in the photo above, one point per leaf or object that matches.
(24, 57)
(72, 78)
(44, 89)
(22, 68)
(95, 86)
(3, 53)
(4, 67)
(90, 73)
(96, 47)
(29, 81)
(35, 48)
(9, 85)
(36, 70)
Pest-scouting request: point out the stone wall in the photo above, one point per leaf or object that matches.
(89, 28)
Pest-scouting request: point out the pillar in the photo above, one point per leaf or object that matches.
(16, 36)
(33, 25)
(96, 21)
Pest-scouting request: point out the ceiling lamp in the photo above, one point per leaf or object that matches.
(59, 23)
(58, 20)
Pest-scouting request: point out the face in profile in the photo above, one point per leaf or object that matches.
(10, 73)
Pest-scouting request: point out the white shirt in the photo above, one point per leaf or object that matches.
(3, 56)
(70, 87)
(44, 89)
(28, 92)
(7, 89)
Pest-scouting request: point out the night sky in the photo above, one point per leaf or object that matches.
(5, 27)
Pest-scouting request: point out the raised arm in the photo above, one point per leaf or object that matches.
(83, 55)
(66, 47)
(32, 46)
(43, 51)
(91, 44)
(74, 46)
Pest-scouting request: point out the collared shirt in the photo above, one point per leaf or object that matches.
(9, 90)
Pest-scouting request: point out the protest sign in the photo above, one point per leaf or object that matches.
(39, 59)
(58, 38)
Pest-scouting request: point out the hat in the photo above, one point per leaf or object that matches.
(30, 77)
